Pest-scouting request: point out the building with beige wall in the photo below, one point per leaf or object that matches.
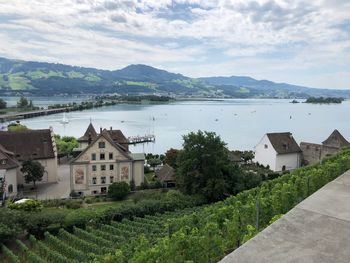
(38, 145)
(103, 160)
(313, 153)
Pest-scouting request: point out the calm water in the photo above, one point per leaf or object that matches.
(240, 123)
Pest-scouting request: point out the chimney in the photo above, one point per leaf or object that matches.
(111, 128)
(100, 129)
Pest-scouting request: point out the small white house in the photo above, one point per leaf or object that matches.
(279, 151)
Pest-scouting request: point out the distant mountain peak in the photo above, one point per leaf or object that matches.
(142, 71)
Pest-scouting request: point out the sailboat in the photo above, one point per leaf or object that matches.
(64, 119)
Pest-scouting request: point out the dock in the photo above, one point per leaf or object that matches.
(29, 114)
(141, 139)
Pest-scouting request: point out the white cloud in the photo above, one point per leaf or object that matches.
(195, 37)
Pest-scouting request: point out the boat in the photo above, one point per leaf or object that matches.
(64, 119)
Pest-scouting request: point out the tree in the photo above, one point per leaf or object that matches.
(65, 145)
(15, 127)
(247, 156)
(204, 167)
(33, 171)
(118, 190)
(3, 104)
(154, 162)
(23, 102)
(171, 157)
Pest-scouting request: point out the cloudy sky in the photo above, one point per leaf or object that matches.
(299, 42)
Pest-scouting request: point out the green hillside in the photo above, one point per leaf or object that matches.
(40, 78)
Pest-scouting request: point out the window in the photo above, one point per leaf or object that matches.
(93, 156)
(102, 156)
(103, 167)
(103, 180)
(94, 168)
(110, 156)
(93, 180)
(10, 188)
(103, 190)
(101, 145)
(3, 161)
(111, 167)
(111, 179)
(94, 192)
(265, 146)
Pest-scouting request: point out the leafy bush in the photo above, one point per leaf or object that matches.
(12, 223)
(29, 206)
(118, 190)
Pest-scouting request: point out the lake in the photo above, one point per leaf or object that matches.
(241, 123)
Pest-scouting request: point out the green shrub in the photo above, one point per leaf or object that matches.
(29, 206)
(46, 220)
(118, 190)
(12, 223)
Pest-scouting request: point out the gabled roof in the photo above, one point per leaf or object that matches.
(30, 144)
(165, 174)
(118, 137)
(89, 133)
(6, 159)
(283, 142)
(336, 140)
(105, 135)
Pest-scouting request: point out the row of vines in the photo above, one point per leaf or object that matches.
(201, 234)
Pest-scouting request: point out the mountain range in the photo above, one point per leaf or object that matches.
(41, 78)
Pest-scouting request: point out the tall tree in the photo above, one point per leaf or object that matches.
(204, 167)
(171, 157)
(33, 171)
(3, 104)
(23, 102)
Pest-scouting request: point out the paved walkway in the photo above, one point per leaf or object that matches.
(61, 189)
(316, 231)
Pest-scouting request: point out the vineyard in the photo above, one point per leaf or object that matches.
(201, 234)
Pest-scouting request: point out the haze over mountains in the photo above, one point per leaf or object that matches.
(40, 78)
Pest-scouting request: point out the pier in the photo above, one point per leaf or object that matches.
(29, 114)
(141, 139)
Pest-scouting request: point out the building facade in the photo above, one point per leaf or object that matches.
(38, 145)
(313, 153)
(9, 168)
(279, 151)
(103, 161)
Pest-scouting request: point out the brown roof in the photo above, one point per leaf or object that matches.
(235, 156)
(283, 142)
(336, 140)
(30, 144)
(118, 137)
(107, 136)
(89, 133)
(165, 174)
(6, 160)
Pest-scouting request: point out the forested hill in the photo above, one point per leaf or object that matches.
(40, 78)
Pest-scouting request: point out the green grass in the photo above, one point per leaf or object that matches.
(18, 82)
(91, 77)
(74, 74)
(140, 83)
(244, 90)
(38, 74)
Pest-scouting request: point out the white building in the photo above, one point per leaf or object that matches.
(279, 151)
(8, 173)
(104, 159)
(17, 147)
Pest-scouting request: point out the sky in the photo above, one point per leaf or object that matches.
(299, 42)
